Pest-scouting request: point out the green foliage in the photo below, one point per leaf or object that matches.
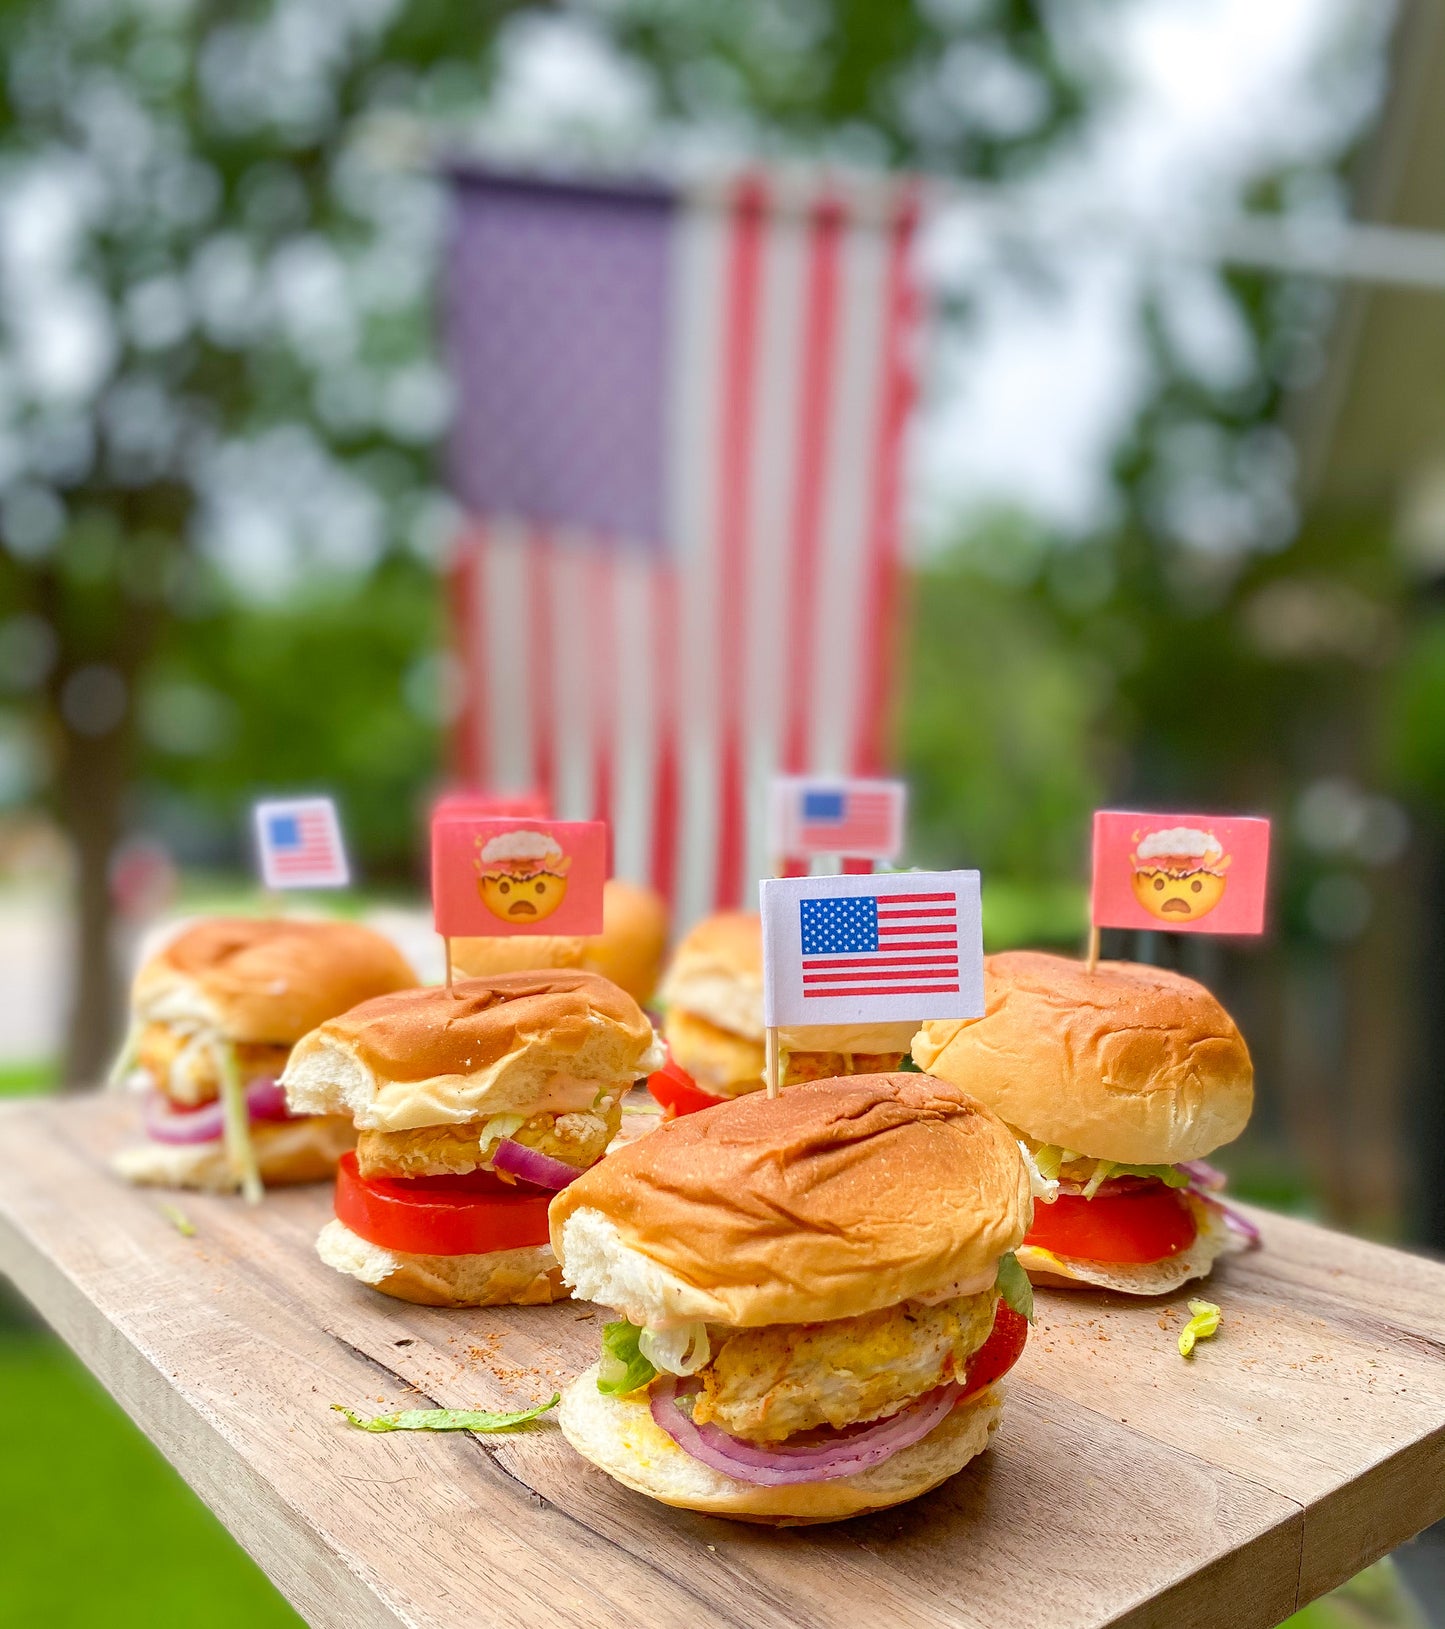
(333, 689)
(1415, 713)
(98, 1527)
(1002, 719)
(881, 82)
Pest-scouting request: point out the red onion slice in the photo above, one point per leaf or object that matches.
(531, 1166)
(1234, 1220)
(845, 1454)
(166, 1124)
(266, 1101)
(1203, 1175)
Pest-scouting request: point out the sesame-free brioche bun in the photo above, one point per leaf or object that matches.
(619, 1435)
(629, 950)
(528, 1043)
(717, 976)
(287, 1151)
(1128, 1063)
(513, 1278)
(724, 951)
(260, 980)
(836, 1198)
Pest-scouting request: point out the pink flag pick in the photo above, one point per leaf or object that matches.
(499, 877)
(1181, 873)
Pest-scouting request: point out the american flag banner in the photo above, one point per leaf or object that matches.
(680, 415)
(859, 819)
(850, 950)
(298, 844)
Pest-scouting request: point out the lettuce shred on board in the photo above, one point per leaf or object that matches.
(1202, 1325)
(447, 1419)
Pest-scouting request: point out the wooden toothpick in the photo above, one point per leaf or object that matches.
(1091, 960)
(447, 947)
(772, 1064)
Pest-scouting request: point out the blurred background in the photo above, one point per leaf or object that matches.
(1175, 518)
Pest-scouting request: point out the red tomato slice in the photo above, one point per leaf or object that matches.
(678, 1092)
(1150, 1223)
(440, 1216)
(999, 1352)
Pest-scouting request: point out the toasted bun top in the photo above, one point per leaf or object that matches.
(717, 973)
(628, 951)
(267, 980)
(546, 1040)
(1127, 1063)
(731, 942)
(834, 1199)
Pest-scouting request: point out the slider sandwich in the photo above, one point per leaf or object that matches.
(816, 1298)
(474, 1106)
(214, 1017)
(713, 1025)
(629, 950)
(1119, 1082)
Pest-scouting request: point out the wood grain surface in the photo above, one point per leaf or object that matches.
(1126, 1485)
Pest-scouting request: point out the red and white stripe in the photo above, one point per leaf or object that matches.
(661, 690)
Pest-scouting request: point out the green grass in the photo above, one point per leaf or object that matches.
(98, 1528)
(23, 1079)
(1373, 1599)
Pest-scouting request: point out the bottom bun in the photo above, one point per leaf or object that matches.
(500, 1278)
(619, 1435)
(1213, 1240)
(287, 1151)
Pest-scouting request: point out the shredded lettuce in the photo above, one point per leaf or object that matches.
(1170, 1175)
(623, 1367)
(1051, 1159)
(125, 1059)
(1040, 1186)
(1013, 1285)
(501, 1125)
(1203, 1324)
(1103, 1170)
(239, 1149)
(447, 1419)
(179, 1221)
(680, 1351)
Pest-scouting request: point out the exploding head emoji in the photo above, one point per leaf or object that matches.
(522, 875)
(1179, 874)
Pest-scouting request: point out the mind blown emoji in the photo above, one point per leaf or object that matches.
(1179, 874)
(522, 875)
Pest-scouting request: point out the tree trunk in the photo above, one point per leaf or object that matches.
(113, 624)
(93, 776)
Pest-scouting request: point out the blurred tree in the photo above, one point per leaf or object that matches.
(341, 687)
(214, 346)
(1002, 720)
(215, 356)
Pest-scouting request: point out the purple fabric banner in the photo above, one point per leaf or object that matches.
(557, 315)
